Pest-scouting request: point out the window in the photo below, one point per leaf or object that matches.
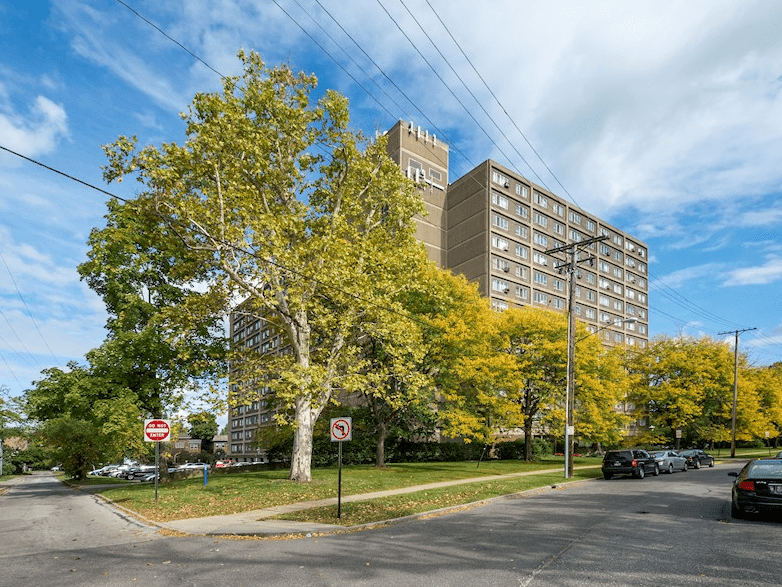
(618, 305)
(522, 292)
(559, 228)
(574, 236)
(522, 211)
(559, 285)
(540, 199)
(558, 209)
(521, 231)
(630, 310)
(604, 267)
(540, 239)
(499, 200)
(499, 243)
(589, 313)
(500, 285)
(641, 267)
(617, 240)
(541, 220)
(501, 264)
(435, 175)
(604, 249)
(522, 272)
(559, 303)
(540, 298)
(642, 329)
(618, 256)
(500, 222)
(617, 289)
(539, 258)
(642, 297)
(590, 295)
(499, 305)
(590, 278)
(605, 317)
(618, 272)
(604, 301)
(540, 278)
(500, 179)
(604, 283)
(574, 217)
(522, 190)
(629, 293)
(589, 225)
(522, 252)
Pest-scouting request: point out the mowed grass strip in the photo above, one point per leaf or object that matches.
(397, 506)
(244, 491)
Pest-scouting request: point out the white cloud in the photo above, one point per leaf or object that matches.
(769, 272)
(36, 132)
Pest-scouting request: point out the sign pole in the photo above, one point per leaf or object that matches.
(157, 468)
(339, 484)
(341, 430)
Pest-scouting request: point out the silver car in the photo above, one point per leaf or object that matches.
(669, 460)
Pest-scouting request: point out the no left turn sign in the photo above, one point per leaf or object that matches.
(341, 429)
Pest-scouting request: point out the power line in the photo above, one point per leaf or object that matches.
(21, 297)
(251, 253)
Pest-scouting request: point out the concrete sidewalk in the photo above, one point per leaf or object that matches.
(258, 522)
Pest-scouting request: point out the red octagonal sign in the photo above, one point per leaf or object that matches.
(157, 430)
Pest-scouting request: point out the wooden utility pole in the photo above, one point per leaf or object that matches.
(735, 386)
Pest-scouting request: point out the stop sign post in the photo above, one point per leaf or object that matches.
(157, 431)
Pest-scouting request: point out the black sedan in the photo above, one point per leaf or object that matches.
(757, 488)
(696, 458)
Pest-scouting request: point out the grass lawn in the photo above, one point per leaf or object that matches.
(243, 491)
(397, 506)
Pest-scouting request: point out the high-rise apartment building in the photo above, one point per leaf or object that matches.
(495, 227)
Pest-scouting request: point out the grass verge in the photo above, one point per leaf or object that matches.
(244, 491)
(397, 506)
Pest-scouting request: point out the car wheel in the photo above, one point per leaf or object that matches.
(607, 476)
(656, 471)
(735, 512)
(670, 469)
(697, 464)
(641, 473)
(711, 463)
(684, 467)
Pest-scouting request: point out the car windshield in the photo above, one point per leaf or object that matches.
(765, 470)
(658, 453)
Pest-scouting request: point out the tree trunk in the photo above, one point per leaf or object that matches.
(528, 439)
(380, 458)
(301, 458)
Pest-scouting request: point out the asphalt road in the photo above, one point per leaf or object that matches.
(672, 530)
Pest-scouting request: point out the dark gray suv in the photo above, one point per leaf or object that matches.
(630, 461)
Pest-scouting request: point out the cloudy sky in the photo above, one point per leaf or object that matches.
(663, 118)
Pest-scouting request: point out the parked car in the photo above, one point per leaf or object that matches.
(696, 458)
(190, 466)
(635, 462)
(140, 473)
(757, 488)
(669, 460)
(778, 455)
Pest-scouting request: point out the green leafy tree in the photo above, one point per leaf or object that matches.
(203, 425)
(279, 204)
(84, 420)
(683, 383)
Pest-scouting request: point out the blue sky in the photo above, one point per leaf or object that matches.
(663, 118)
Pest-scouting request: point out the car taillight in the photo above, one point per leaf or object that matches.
(747, 485)
(635, 463)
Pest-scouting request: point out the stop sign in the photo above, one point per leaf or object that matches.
(157, 430)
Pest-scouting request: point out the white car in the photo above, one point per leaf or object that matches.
(669, 461)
